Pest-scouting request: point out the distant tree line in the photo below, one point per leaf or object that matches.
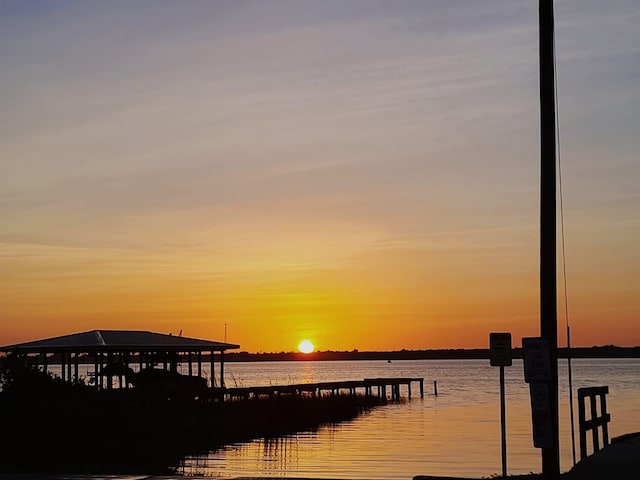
(607, 351)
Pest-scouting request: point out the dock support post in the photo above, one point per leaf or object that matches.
(109, 378)
(213, 370)
(95, 371)
(222, 369)
(99, 376)
(75, 369)
(435, 388)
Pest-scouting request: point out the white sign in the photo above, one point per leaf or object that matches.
(500, 349)
(537, 362)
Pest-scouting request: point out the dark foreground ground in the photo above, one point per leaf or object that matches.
(49, 426)
(621, 460)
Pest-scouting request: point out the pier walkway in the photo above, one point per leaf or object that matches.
(368, 386)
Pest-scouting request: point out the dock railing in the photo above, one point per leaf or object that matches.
(595, 421)
(350, 387)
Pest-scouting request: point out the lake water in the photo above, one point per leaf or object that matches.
(456, 433)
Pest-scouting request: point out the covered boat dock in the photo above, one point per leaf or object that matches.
(123, 355)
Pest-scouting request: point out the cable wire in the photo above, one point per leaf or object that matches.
(564, 257)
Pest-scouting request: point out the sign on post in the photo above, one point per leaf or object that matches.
(540, 401)
(542, 433)
(500, 349)
(537, 373)
(537, 361)
(500, 356)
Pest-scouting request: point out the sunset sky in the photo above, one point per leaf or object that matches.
(363, 174)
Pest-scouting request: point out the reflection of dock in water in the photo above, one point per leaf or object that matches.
(350, 387)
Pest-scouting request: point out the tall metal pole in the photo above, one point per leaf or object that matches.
(503, 423)
(548, 298)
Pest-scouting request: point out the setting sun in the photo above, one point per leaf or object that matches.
(306, 346)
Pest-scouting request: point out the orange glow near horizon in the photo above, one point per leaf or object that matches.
(310, 173)
(369, 306)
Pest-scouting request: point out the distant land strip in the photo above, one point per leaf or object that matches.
(608, 351)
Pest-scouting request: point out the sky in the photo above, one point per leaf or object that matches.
(363, 174)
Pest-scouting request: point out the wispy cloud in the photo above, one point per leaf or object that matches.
(303, 132)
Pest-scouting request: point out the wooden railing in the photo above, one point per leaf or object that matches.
(595, 421)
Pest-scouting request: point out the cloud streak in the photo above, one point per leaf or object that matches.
(308, 135)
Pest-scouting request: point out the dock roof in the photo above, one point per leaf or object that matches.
(120, 340)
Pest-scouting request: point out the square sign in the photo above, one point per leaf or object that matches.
(537, 361)
(500, 349)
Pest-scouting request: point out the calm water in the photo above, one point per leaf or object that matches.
(456, 433)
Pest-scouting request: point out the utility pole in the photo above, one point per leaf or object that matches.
(548, 296)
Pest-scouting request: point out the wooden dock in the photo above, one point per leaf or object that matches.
(368, 386)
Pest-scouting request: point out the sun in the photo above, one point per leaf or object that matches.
(306, 346)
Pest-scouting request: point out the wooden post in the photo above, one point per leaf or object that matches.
(435, 388)
(99, 375)
(594, 431)
(582, 431)
(200, 364)
(548, 237)
(503, 423)
(605, 425)
(190, 365)
(222, 385)
(120, 361)
(109, 378)
(75, 368)
(95, 371)
(63, 367)
(213, 370)
(127, 358)
(45, 364)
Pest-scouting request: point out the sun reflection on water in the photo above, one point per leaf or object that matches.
(455, 433)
